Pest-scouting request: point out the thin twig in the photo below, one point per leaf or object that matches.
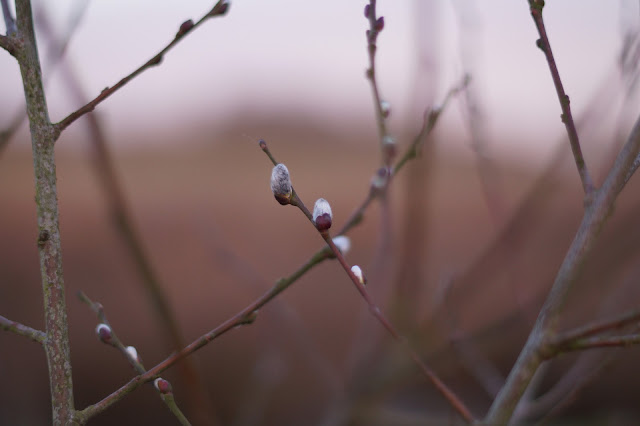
(219, 9)
(581, 344)
(628, 318)
(536, 7)
(376, 25)
(9, 21)
(544, 329)
(22, 330)
(447, 393)
(114, 341)
(246, 316)
(431, 117)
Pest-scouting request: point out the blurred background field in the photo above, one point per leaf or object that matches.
(475, 239)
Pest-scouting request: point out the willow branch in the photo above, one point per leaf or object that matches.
(448, 394)
(246, 316)
(22, 330)
(218, 10)
(536, 7)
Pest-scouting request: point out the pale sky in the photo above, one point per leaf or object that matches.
(283, 55)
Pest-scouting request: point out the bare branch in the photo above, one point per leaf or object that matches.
(43, 136)
(219, 9)
(22, 330)
(594, 218)
(536, 7)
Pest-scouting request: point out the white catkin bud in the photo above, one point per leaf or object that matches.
(358, 273)
(385, 107)
(162, 385)
(380, 178)
(343, 243)
(322, 216)
(133, 353)
(388, 140)
(281, 184)
(104, 332)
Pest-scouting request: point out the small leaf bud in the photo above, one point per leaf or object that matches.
(322, 216)
(224, 7)
(133, 353)
(343, 243)
(355, 269)
(385, 107)
(281, 184)
(380, 24)
(367, 11)
(185, 27)
(162, 385)
(104, 332)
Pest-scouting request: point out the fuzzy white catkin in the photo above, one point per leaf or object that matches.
(320, 208)
(281, 182)
(343, 243)
(358, 273)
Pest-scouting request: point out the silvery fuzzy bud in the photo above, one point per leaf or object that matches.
(322, 216)
(133, 353)
(162, 385)
(355, 269)
(343, 243)
(281, 184)
(104, 332)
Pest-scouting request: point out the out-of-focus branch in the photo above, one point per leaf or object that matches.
(536, 7)
(9, 22)
(544, 329)
(431, 117)
(219, 9)
(22, 330)
(108, 335)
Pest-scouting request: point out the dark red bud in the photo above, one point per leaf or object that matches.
(380, 24)
(185, 28)
(262, 144)
(163, 386)
(367, 11)
(323, 222)
(224, 7)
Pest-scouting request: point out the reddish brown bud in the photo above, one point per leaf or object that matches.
(322, 216)
(185, 28)
(104, 332)
(367, 11)
(262, 143)
(162, 385)
(379, 24)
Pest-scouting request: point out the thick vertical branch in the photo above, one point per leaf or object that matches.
(545, 327)
(43, 136)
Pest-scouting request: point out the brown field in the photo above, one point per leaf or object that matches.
(217, 239)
